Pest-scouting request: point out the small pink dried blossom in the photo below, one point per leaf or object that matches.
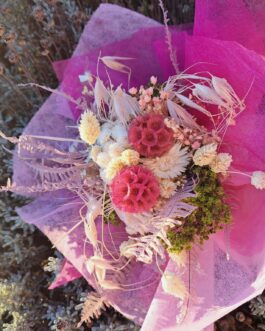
(153, 80)
(133, 90)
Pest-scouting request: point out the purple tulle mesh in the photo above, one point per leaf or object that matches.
(229, 269)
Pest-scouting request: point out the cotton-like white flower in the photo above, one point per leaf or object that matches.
(119, 133)
(205, 155)
(167, 188)
(103, 159)
(89, 128)
(171, 164)
(221, 163)
(258, 180)
(130, 157)
(115, 149)
(105, 133)
(173, 285)
(95, 150)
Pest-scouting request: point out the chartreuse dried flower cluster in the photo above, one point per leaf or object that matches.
(211, 215)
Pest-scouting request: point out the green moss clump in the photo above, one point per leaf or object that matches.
(210, 216)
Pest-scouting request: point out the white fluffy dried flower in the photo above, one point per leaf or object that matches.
(221, 163)
(171, 164)
(113, 168)
(258, 179)
(130, 157)
(103, 159)
(119, 133)
(95, 150)
(205, 155)
(105, 133)
(89, 128)
(173, 285)
(167, 188)
(115, 149)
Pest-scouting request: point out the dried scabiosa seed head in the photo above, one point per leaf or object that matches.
(135, 189)
(149, 135)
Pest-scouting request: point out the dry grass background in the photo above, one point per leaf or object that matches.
(33, 33)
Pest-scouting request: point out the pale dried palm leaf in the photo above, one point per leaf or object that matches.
(92, 308)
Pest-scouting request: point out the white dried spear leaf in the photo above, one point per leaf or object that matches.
(226, 92)
(123, 107)
(90, 266)
(188, 102)
(208, 95)
(113, 62)
(89, 222)
(101, 263)
(176, 81)
(173, 285)
(92, 308)
(184, 76)
(100, 274)
(13, 140)
(101, 94)
(180, 115)
(109, 285)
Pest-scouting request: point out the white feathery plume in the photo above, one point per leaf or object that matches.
(180, 115)
(226, 92)
(113, 63)
(123, 106)
(89, 222)
(188, 102)
(208, 95)
(101, 94)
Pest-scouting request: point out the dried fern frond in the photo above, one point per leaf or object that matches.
(92, 308)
